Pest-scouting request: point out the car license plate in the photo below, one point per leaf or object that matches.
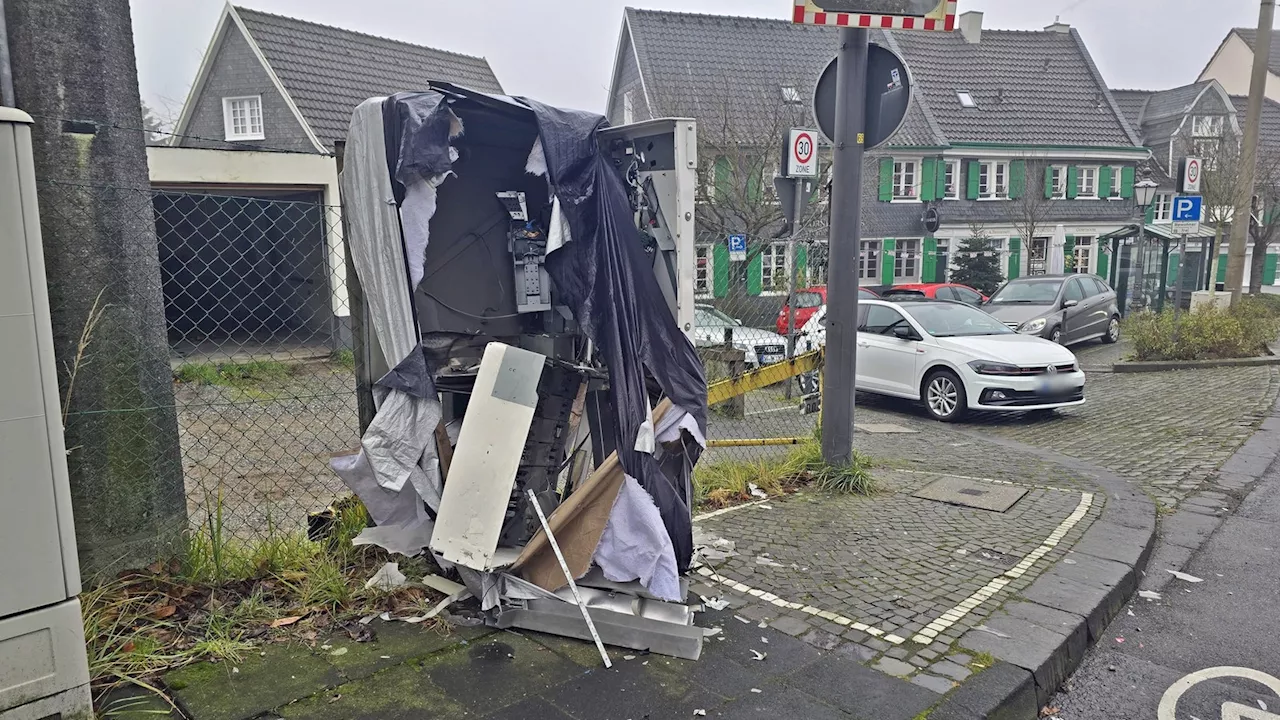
(770, 359)
(1054, 385)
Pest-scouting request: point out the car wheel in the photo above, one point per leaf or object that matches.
(808, 383)
(1113, 332)
(944, 396)
(1056, 336)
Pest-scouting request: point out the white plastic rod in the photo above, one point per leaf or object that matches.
(568, 575)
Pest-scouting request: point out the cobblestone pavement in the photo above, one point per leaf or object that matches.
(1101, 356)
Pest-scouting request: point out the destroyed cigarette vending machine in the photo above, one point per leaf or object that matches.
(528, 280)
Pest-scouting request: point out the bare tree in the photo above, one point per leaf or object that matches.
(1029, 208)
(740, 142)
(1265, 223)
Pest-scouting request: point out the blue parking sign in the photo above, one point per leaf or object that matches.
(738, 248)
(1187, 208)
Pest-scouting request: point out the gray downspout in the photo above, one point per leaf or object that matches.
(6, 70)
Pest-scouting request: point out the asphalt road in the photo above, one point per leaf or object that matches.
(1229, 620)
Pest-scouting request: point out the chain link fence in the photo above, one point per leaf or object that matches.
(248, 369)
(250, 372)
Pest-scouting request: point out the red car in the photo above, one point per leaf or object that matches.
(807, 303)
(936, 291)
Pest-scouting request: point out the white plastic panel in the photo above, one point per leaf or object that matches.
(41, 654)
(487, 457)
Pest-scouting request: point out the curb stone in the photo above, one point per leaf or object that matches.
(1040, 639)
(1167, 365)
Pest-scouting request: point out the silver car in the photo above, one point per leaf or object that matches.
(1067, 309)
(762, 347)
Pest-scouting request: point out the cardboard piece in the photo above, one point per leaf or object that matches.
(577, 524)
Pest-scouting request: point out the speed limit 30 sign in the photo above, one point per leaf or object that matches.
(802, 153)
(1192, 175)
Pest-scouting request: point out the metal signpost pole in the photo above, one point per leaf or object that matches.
(1182, 269)
(791, 280)
(845, 243)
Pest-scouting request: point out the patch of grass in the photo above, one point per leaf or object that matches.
(981, 661)
(1209, 333)
(344, 358)
(729, 482)
(236, 375)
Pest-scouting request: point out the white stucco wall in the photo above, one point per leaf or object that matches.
(1233, 68)
(174, 167)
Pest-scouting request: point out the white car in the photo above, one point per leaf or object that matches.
(955, 358)
(762, 347)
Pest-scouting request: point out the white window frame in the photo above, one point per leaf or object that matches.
(1117, 183)
(906, 260)
(869, 261)
(815, 272)
(1163, 208)
(944, 251)
(1208, 126)
(1086, 248)
(1059, 182)
(904, 169)
(228, 120)
(704, 273)
(951, 189)
(772, 259)
(990, 174)
(790, 95)
(1000, 246)
(1090, 172)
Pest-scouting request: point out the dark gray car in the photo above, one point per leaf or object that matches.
(1066, 309)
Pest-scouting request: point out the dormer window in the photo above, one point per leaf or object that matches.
(790, 95)
(242, 118)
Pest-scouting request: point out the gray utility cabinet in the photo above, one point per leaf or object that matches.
(43, 670)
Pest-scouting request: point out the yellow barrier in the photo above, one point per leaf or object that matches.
(763, 378)
(759, 442)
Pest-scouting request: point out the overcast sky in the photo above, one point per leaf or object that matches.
(561, 51)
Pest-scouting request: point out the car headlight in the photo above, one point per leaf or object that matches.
(986, 367)
(1034, 326)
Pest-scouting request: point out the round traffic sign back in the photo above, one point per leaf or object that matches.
(803, 149)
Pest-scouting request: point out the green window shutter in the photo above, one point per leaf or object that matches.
(1222, 268)
(754, 191)
(1174, 263)
(755, 275)
(1073, 182)
(1015, 258)
(940, 181)
(929, 264)
(887, 249)
(802, 266)
(1151, 213)
(1126, 182)
(1017, 178)
(1104, 182)
(974, 179)
(886, 179)
(1069, 253)
(929, 180)
(1104, 262)
(1048, 183)
(724, 178)
(1269, 270)
(720, 269)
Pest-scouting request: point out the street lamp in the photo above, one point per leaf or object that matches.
(1144, 193)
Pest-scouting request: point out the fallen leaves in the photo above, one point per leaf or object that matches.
(285, 621)
(165, 611)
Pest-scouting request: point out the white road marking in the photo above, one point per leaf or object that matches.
(988, 591)
(776, 601)
(1230, 710)
(725, 511)
(993, 481)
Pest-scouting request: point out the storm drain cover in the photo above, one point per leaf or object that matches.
(973, 494)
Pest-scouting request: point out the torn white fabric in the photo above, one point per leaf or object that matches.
(635, 544)
(407, 539)
(559, 235)
(387, 578)
(537, 163)
(416, 213)
(673, 422)
(645, 440)
(400, 443)
(386, 507)
(495, 587)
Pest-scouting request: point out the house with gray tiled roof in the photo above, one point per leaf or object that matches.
(1232, 63)
(998, 117)
(1200, 120)
(273, 82)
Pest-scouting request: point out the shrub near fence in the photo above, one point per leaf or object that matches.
(1208, 333)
